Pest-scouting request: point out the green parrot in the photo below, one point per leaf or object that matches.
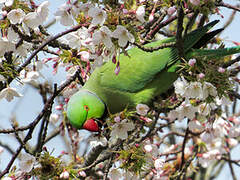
(143, 76)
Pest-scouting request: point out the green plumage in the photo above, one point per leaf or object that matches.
(144, 75)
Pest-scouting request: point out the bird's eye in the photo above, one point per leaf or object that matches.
(86, 108)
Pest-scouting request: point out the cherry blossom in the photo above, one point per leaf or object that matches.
(120, 130)
(201, 75)
(23, 49)
(103, 35)
(79, 38)
(6, 46)
(31, 20)
(184, 110)
(106, 29)
(148, 148)
(151, 149)
(9, 93)
(26, 162)
(123, 36)
(30, 77)
(140, 13)
(64, 174)
(208, 157)
(204, 109)
(64, 14)
(7, 3)
(221, 70)
(195, 126)
(34, 19)
(195, 2)
(207, 136)
(192, 62)
(99, 16)
(85, 8)
(54, 118)
(117, 119)
(142, 109)
(43, 11)
(115, 174)
(220, 127)
(208, 89)
(223, 101)
(84, 56)
(171, 10)
(158, 163)
(2, 78)
(16, 16)
(194, 90)
(82, 173)
(12, 36)
(232, 142)
(234, 132)
(180, 86)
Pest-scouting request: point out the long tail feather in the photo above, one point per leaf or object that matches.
(206, 38)
(216, 53)
(193, 37)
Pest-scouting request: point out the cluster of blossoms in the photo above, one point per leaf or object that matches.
(86, 40)
(200, 102)
(97, 39)
(9, 42)
(214, 133)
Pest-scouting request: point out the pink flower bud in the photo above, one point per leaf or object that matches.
(83, 73)
(195, 2)
(64, 174)
(125, 11)
(117, 69)
(82, 173)
(146, 119)
(84, 55)
(117, 119)
(4, 13)
(114, 59)
(221, 70)
(192, 62)
(151, 17)
(59, 107)
(201, 75)
(158, 164)
(88, 68)
(148, 148)
(171, 10)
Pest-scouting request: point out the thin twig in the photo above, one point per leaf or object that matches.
(183, 148)
(151, 49)
(29, 59)
(179, 38)
(32, 125)
(229, 6)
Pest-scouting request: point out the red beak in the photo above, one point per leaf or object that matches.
(91, 125)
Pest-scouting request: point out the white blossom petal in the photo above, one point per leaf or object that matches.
(16, 16)
(26, 162)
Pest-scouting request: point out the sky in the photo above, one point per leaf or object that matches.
(27, 108)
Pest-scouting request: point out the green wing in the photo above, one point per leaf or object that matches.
(141, 67)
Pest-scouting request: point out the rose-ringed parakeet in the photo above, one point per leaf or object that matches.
(143, 76)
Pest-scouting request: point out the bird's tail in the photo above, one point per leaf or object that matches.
(195, 36)
(213, 53)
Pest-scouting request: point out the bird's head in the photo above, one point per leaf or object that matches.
(83, 109)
